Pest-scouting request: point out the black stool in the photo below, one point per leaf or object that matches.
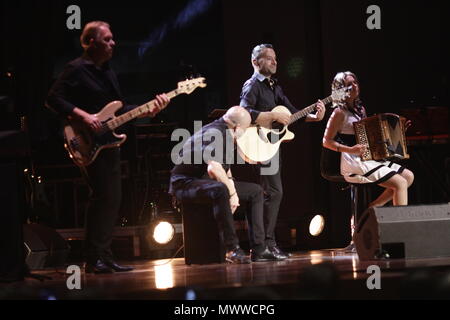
(359, 193)
(203, 242)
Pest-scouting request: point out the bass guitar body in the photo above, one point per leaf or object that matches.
(84, 145)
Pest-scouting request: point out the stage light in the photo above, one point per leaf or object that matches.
(163, 232)
(316, 225)
(312, 231)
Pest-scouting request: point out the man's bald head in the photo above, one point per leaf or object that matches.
(237, 117)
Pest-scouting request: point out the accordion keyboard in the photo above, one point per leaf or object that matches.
(361, 137)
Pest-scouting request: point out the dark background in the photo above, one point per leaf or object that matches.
(404, 66)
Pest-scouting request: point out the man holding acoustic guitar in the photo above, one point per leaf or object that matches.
(79, 94)
(260, 95)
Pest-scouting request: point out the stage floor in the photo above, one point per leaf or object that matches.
(324, 274)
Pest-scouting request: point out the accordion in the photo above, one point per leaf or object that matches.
(384, 136)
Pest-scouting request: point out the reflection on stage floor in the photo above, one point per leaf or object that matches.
(324, 274)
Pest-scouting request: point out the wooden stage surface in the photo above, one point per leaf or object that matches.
(325, 274)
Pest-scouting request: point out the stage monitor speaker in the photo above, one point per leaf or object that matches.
(44, 247)
(12, 262)
(409, 232)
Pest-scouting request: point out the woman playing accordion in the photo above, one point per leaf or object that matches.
(340, 136)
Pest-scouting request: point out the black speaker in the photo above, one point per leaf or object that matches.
(409, 232)
(44, 247)
(12, 263)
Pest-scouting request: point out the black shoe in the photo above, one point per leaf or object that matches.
(265, 255)
(280, 254)
(116, 267)
(98, 266)
(237, 255)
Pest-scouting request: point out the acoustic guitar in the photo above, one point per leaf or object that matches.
(260, 144)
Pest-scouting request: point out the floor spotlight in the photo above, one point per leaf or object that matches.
(316, 225)
(313, 232)
(163, 232)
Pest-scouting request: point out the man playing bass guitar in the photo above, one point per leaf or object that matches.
(86, 85)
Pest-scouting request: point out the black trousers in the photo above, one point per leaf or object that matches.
(273, 194)
(208, 190)
(104, 179)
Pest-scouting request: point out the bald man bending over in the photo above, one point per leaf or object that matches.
(202, 174)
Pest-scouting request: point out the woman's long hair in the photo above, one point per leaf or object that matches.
(338, 83)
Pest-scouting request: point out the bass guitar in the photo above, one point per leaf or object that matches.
(84, 145)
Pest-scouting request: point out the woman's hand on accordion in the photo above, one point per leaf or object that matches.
(358, 149)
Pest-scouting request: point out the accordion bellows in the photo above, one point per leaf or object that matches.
(384, 136)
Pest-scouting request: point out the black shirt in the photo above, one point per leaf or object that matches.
(212, 142)
(259, 96)
(85, 86)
